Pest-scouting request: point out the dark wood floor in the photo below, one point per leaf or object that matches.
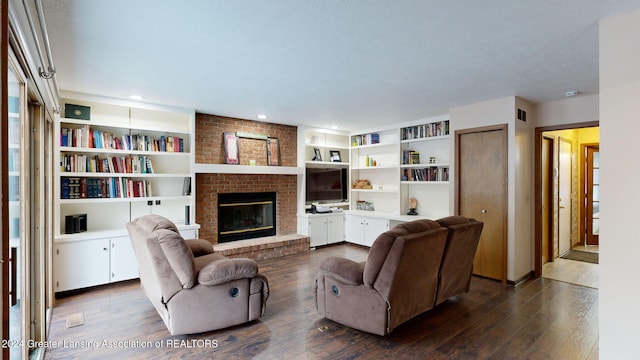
(540, 319)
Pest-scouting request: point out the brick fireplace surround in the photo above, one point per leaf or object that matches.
(209, 150)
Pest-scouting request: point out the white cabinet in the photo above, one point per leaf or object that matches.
(363, 230)
(123, 263)
(322, 229)
(101, 260)
(81, 264)
(93, 262)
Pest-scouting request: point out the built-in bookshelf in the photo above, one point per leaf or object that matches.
(425, 167)
(125, 161)
(374, 170)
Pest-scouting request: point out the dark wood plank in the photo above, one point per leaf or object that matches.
(538, 319)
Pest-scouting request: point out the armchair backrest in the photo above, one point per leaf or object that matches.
(403, 267)
(457, 261)
(165, 263)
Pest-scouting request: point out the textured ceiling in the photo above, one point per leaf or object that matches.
(353, 64)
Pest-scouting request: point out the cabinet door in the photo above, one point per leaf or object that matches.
(124, 265)
(354, 229)
(372, 228)
(335, 228)
(81, 264)
(318, 230)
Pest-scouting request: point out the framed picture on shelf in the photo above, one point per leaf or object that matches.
(335, 156)
(273, 152)
(231, 152)
(317, 155)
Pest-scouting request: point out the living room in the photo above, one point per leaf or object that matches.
(610, 104)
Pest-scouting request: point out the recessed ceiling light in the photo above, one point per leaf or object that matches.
(135, 97)
(571, 93)
(262, 116)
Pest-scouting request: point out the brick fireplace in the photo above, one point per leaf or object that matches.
(209, 150)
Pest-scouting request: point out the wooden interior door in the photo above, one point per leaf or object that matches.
(482, 193)
(592, 195)
(546, 169)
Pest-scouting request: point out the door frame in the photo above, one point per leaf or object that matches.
(548, 197)
(558, 191)
(505, 204)
(538, 186)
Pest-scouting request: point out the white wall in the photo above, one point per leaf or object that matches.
(620, 186)
(519, 208)
(582, 108)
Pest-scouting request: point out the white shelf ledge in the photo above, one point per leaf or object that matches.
(247, 169)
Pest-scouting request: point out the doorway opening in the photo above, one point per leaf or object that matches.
(567, 202)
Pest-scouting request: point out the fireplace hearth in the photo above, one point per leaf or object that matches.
(246, 215)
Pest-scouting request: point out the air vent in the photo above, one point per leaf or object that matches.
(522, 115)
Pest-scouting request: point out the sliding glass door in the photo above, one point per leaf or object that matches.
(29, 168)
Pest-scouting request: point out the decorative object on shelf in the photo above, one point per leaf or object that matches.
(273, 152)
(362, 184)
(75, 223)
(365, 205)
(317, 155)
(80, 112)
(186, 186)
(432, 160)
(231, 152)
(413, 205)
(335, 156)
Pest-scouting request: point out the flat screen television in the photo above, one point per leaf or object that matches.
(326, 185)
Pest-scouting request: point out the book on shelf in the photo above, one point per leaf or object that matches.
(433, 173)
(113, 187)
(123, 165)
(440, 128)
(366, 139)
(410, 157)
(87, 137)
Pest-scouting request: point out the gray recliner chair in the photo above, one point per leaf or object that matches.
(192, 288)
(397, 282)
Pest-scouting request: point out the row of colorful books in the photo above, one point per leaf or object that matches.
(426, 174)
(95, 188)
(86, 137)
(427, 130)
(122, 165)
(366, 139)
(410, 157)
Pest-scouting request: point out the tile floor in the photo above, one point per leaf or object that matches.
(574, 272)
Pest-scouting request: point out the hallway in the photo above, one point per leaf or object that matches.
(574, 272)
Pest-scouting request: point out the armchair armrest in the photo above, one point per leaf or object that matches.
(345, 270)
(225, 270)
(199, 247)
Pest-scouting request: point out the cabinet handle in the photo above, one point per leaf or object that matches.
(484, 211)
(105, 249)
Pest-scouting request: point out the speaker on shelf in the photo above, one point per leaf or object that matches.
(186, 215)
(75, 223)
